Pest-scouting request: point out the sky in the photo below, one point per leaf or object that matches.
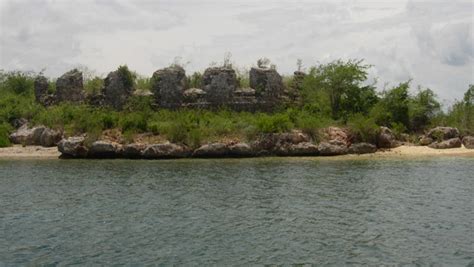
(430, 42)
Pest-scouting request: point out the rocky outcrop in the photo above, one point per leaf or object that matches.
(386, 138)
(167, 150)
(212, 150)
(104, 149)
(300, 149)
(268, 143)
(219, 83)
(267, 83)
(332, 148)
(425, 140)
(443, 133)
(362, 148)
(449, 143)
(468, 142)
(336, 134)
(241, 150)
(168, 86)
(116, 90)
(69, 87)
(41, 88)
(133, 151)
(27, 136)
(73, 147)
(50, 137)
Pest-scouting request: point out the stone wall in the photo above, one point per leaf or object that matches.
(219, 88)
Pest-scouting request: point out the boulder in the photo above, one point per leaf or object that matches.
(425, 140)
(386, 138)
(443, 133)
(241, 150)
(450, 143)
(27, 136)
(362, 148)
(17, 123)
(300, 149)
(41, 88)
(50, 138)
(271, 141)
(166, 150)
(212, 150)
(267, 83)
(73, 147)
(133, 151)
(219, 83)
(468, 142)
(116, 90)
(104, 149)
(333, 148)
(336, 134)
(168, 86)
(69, 87)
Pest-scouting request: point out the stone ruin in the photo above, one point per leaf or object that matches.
(220, 88)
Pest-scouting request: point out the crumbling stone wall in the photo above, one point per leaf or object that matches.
(116, 91)
(168, 86)
(69, 87)
(219, 83)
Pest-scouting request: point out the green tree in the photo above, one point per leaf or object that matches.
(423, 108)
(340, 82)
(393, 107)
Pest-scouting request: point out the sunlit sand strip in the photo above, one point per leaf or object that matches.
(29, 152)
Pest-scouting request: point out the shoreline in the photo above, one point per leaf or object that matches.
(18, 152)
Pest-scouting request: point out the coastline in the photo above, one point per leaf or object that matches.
(18, 152)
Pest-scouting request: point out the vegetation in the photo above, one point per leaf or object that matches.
(336, 93)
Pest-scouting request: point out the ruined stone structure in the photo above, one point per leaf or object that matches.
(41, 88)
(168, 86)
(219, 85)
(69, 87)
(116, 91)
(219, 88)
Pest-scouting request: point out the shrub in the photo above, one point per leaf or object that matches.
(4, 135)
(128, 78)
(275, 123)
(365, 129)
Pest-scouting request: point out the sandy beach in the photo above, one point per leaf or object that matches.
(29, 152)
(38, 152)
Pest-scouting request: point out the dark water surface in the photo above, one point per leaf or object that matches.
(237, 212)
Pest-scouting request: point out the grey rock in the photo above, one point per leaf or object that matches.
(212, 150)
(104, 149)
(40, 88)
(241, 150)
(332, 149)
(299, 149)
(133, 151)
(27, 136)
(443, 133)
(50, 137)
(194, 95)
(468, 142)
(73, 147)
(386, 138)
(362, 148)
(167, 150)
(424, 140)
(219, 83)
(168, 86)
(116, 92)
(450, 143)
(69, 87)
(17, 123)
(335, 134)
(267, 83)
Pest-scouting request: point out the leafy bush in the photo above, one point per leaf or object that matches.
(365, 129)
(94, 86)
(275, 123)
(128, 78)
(4, 133)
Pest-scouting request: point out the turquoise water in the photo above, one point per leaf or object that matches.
(237, 212)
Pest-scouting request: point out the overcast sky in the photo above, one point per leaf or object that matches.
(429, 41)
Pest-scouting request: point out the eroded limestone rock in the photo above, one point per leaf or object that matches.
(69, 87)
(168, 86)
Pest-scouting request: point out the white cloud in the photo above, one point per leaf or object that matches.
(431, 42)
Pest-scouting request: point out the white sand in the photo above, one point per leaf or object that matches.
(28, 152)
